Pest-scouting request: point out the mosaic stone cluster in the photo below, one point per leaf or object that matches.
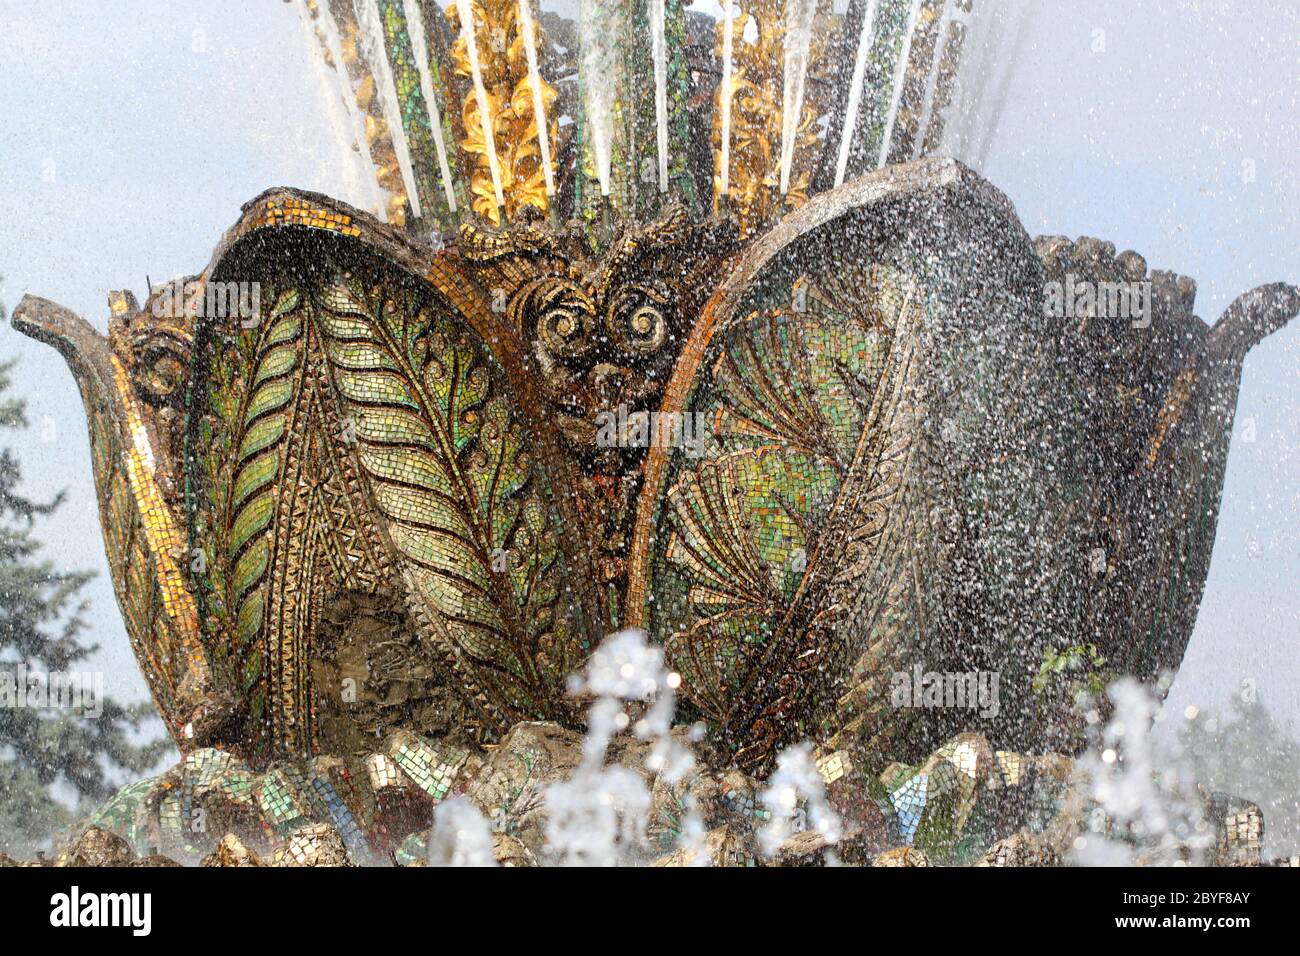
(965, 805)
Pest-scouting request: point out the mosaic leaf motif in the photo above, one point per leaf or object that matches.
(745, 589)
(158, 646)
(736, 584)
(143, 535)
(462, 498)
(253, 378)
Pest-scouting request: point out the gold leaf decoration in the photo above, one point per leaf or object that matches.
(756, 82)
(503, 66)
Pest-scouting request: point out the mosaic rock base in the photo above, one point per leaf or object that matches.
(966, 805)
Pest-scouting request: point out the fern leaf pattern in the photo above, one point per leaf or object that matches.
(800, 396)
(254, 374)
(461, 495)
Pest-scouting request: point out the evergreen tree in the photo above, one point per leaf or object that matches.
(42, 621)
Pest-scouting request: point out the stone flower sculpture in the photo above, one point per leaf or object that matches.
(355, 482)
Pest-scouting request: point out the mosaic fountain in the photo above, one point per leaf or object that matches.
(663, 322)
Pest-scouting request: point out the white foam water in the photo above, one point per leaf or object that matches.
(598, 35)
(724, 184)
(865, 39)
(349, 115)
(466, 13)
(798, 36)
(420, 50)
(535, 82)
(660, 56)
(372, 47)
(896, 86)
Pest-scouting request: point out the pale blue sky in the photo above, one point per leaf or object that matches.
(132, 132)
